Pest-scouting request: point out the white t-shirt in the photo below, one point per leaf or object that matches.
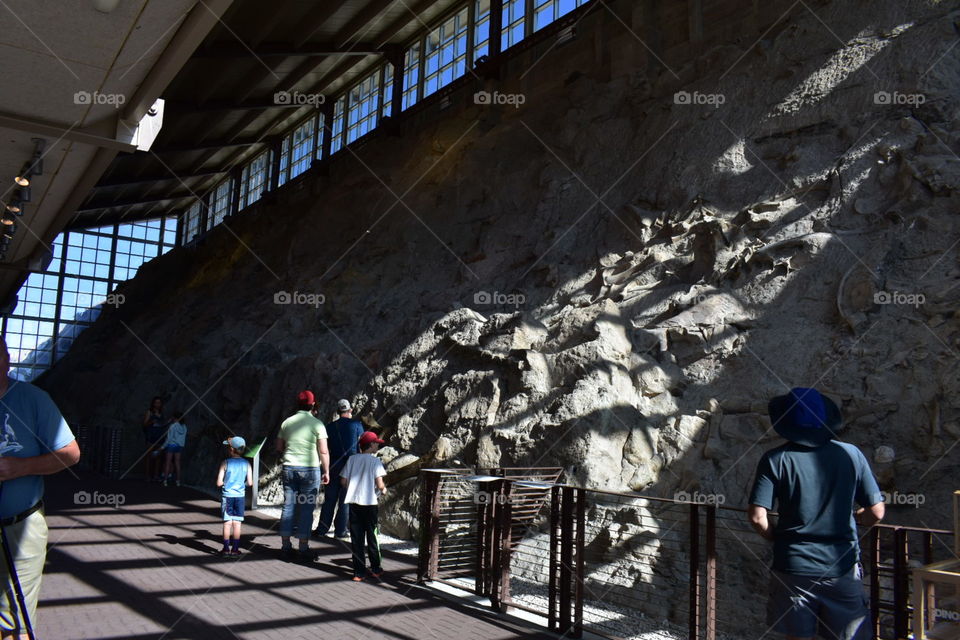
(361, 471)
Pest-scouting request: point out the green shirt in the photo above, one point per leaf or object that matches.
(300, 432)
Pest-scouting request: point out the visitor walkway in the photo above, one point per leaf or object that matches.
(136, 561)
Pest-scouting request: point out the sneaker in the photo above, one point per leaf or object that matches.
(178, 483)
(357, 579)
(287, 553)
(164, 483)
(235, 554)
(377, 574)
(223, 553)
(342, 536)
(306, 556)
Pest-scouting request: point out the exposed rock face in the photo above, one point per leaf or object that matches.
(803, 232)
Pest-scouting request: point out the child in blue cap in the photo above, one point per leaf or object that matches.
(234, 476)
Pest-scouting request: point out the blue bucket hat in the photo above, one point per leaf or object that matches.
(805, 416)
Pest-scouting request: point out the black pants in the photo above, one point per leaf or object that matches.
(364, 530)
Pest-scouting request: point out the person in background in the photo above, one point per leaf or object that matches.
(814, 481)
(36, 441)
(362, 480)
(302, 443)
(154, 428)
(234, 476)
(343, 437)
(173, 446)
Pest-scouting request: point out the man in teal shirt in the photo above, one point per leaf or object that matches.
(35, 441)
(306, 465)
(815, 482)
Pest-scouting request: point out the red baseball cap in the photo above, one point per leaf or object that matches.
(368, 437)
(305, 397)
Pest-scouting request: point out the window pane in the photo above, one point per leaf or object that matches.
(445, 53)
(364, 105)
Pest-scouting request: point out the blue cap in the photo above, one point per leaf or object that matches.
(236, 442)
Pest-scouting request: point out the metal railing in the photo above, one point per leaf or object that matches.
(620, 564)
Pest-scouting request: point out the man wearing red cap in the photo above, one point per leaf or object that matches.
(306, 465)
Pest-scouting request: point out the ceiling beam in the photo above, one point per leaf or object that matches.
(99, 206)
(132, 180)
(211, 144)
(184, 108)
(65, 132)
(273, 50)
(91, 220)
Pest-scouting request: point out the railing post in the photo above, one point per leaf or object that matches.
(901, 583)
(505, 543)
(694, 620)
(480, 568)
(873, 564)
(581, 544)
(925, 618)
(429, 526)
(487, 528)
(566, 556)
(711, 586)
(554, 560)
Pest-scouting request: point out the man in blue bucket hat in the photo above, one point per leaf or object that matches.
(814, 481)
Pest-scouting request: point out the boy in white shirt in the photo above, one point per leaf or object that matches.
(362, 479)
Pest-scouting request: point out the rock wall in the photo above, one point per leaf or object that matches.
(613, 278)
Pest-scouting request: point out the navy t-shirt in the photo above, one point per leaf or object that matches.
(31, 426)
(343, 437)
(814, 490)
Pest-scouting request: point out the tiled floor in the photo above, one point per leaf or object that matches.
(146, 569)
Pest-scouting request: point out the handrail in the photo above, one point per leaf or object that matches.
(559, 555)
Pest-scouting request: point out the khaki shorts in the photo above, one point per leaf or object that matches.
(28, 544)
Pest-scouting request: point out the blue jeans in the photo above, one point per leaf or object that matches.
(333, 495)
(798, 605)
(300, 486)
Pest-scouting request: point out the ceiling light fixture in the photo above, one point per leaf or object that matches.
(23, 178)
(105, 6)
(14, 207)
(34, 168)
